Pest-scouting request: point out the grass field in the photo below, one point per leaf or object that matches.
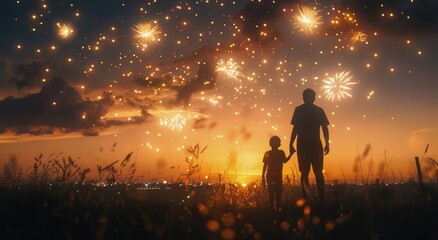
(56, 200)
(215, 211)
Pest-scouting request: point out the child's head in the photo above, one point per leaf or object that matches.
(275, 142)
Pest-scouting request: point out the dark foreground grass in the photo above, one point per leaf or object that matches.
(218, 211)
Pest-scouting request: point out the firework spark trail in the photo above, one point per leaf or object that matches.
(307, 20)
(338, 86)
(147, 33)
(230, 68)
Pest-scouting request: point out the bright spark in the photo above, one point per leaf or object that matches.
(307, 20)
(230, 68)
(338, 86)
(147, 33)
(176, 123)
(65, 31)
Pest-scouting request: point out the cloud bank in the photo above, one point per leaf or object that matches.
(57, 107)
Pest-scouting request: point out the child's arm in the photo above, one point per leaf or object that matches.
(288, 157)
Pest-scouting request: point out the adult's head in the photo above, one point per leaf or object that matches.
(309, 96)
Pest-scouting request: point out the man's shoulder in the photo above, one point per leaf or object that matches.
(318, 108)
(307, 107)
(300, 108)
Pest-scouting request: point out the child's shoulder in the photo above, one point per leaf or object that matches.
(277, 150)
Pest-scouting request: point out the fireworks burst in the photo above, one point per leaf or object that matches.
(359, 37)
(176, 123)
(147, 33)
(307, 20)
(338, 86)
(230, 68)
(65, 31)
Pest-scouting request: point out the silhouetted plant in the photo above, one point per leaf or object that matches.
(57, 169)
(193, 160)
(111, 174)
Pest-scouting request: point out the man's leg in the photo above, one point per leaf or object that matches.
(320, 185)
(271, 199)
(305, 184)
(317, 170)
(278, 199)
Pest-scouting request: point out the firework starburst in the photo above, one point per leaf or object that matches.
(307, 20)
(176, 123)
(230, 68)
(65, 31)
(146, 34)
(338, 86)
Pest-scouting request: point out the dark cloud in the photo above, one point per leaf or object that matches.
(422, 15)
(4, 69)
(57, 107)
(142, 103)
(27, 75)
(154, 82)
(205, 80)
(202, 123)
(134, 119)
(201, 53)
(250, 20)
(255, 14)
(199, 123)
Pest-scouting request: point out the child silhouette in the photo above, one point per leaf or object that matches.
(273, 167)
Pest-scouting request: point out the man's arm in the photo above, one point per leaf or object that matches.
(325, 131)
(293, 135)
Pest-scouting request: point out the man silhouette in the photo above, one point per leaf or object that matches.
(307, 121)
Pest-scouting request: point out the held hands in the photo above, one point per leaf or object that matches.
(263, 183)
(287, 158)
(291, 150)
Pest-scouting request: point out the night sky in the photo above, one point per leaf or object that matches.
(96, 80)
